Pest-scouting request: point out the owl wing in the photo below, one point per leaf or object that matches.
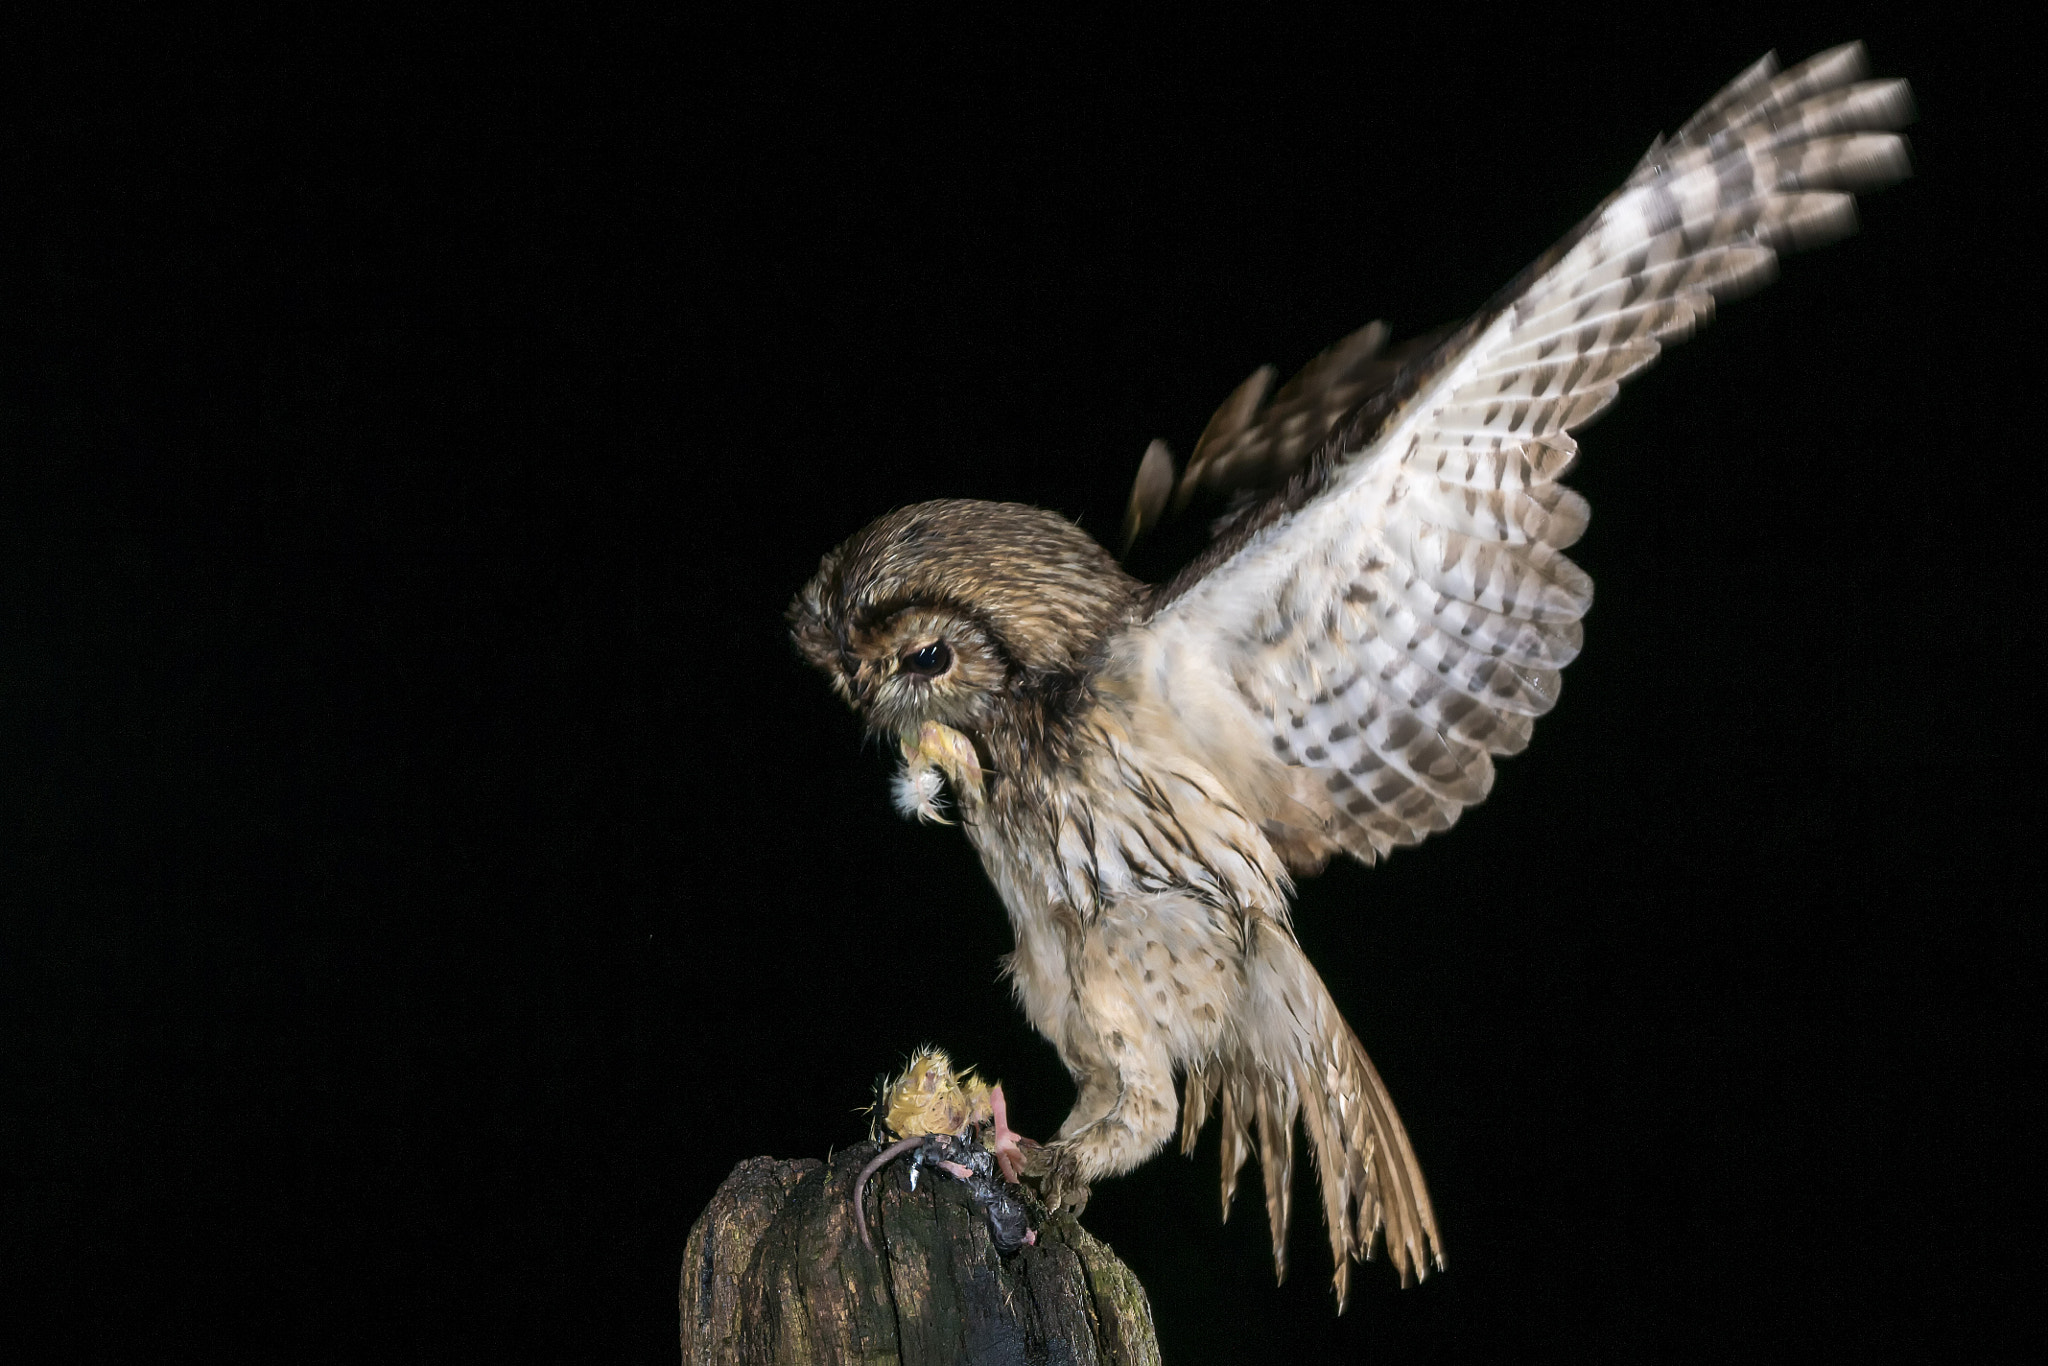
(1398, 613)
(1258, 438)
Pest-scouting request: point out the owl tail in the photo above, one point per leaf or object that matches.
(1295, 1055)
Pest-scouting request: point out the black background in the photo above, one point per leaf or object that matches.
(429, 869)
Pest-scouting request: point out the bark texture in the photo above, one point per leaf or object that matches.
(775, 1272)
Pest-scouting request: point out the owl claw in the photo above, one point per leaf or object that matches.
(1055, 1173)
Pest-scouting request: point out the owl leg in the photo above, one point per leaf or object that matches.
(1052, 1168)
(1126, 1108)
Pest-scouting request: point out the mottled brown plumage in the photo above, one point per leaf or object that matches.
(1385, 612)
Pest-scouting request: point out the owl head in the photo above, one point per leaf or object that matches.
(955, 611)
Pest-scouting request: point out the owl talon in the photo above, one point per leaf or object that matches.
(1055, 1174)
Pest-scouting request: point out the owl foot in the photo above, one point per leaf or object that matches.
(1053, 1171)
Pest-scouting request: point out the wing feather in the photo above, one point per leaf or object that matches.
(1397, 615)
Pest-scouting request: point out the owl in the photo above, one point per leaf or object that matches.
(1383, 611)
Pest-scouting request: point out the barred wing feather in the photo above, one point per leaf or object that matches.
(1398, 614)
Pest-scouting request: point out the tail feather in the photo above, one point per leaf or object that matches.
(1307, 1063)
(1198, 1092)
(1237, 1140)
(1277, 1105)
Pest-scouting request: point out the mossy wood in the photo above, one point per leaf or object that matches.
(775, 1272)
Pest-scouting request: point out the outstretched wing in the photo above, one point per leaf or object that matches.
(1398, 613)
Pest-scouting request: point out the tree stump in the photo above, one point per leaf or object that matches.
(775, 1271)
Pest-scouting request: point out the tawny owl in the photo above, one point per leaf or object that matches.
(1142, 767)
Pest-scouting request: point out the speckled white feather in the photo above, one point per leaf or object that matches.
(920, 792)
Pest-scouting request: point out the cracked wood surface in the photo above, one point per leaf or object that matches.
(775, 1272)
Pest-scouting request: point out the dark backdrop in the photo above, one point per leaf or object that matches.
(429, 870)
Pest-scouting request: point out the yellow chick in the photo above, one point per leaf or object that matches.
(929, 1098)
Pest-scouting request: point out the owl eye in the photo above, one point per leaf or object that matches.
(929, 661)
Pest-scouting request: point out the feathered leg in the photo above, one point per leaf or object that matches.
(1122, 1066)
(1130, 1069)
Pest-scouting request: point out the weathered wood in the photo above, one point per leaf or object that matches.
(775, 1272)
